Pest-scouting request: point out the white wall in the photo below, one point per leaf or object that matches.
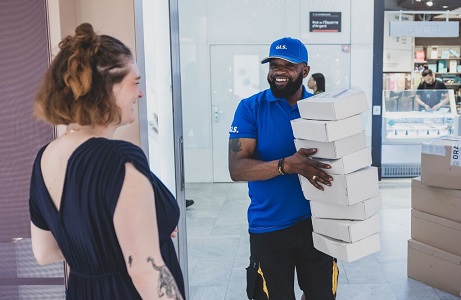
(158, 93)
(361, 76)
(398, 51)
(346, 58)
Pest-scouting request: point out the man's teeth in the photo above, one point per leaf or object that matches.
(281, 79)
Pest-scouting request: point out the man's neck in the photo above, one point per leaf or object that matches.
(293, 99)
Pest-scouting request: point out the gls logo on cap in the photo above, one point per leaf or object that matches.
(289, 49)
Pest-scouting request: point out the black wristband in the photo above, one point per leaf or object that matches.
(280, 166)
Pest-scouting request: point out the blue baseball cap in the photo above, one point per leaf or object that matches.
(289, 49)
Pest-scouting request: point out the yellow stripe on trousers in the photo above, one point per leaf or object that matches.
(334, 279)
(266, 291)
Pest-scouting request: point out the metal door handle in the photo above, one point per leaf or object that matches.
(216, 113)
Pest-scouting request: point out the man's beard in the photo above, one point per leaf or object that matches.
(289, 90)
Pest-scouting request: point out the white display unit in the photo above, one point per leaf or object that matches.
(405, 127)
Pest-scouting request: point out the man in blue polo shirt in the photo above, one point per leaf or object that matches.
(262, 152)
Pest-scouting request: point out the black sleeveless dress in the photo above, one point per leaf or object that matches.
(83, 227)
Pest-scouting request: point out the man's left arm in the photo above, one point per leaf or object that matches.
(446, 98)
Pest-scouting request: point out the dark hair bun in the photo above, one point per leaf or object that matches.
(85, 37)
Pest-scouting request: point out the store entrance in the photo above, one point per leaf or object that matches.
(406, 122)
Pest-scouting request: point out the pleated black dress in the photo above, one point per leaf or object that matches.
(83, 226)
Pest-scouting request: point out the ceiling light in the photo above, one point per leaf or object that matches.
(429, 3)
(445, 6)
(418, 0)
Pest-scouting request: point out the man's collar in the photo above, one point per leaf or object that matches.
(271, 98)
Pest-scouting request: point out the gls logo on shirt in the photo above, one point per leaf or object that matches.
(278, 47)
(233, 129)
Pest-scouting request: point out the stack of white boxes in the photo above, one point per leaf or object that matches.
(344, 216)
(434, 252)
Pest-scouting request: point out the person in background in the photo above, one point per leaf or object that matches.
(262, 152)
(94, 203)
(316, 83)
(427, 97)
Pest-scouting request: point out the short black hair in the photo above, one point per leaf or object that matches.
(426, 72)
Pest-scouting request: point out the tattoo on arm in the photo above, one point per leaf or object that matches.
(166, 283)
(130, 260)
(235, 145)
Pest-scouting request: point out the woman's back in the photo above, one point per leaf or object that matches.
(75, 187)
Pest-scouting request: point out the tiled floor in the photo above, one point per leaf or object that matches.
(218, 248)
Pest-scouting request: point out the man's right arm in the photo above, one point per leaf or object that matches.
(243, 167)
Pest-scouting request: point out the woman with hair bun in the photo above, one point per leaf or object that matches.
(94, 203)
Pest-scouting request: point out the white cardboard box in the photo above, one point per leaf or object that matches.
(347, 230)
(347, 251)
(335, 149)
(345, 189)
(436, 231)
(359, 211)
(333, 105)
(349, 163)
(434, 267)
(326, 131)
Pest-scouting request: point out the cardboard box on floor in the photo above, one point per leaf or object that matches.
(441, 162)
(333, 105)
(335, 149)
(359, 211)
(326, 131)
(348, 163)
(434, 267)
(347, 251)
(442, 202)
(436, 231)
(345, 189)
(347, 230)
